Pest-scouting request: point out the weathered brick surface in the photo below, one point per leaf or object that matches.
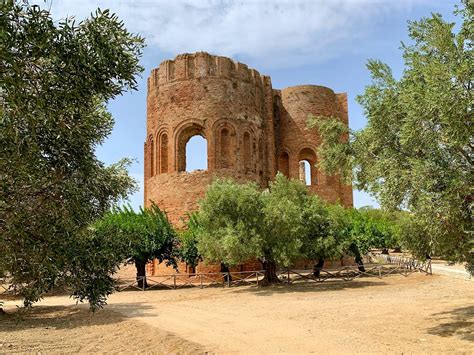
(252, 130)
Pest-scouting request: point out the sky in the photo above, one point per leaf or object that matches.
(320, 42)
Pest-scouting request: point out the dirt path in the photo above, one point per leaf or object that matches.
(75, 329)
(393, 315)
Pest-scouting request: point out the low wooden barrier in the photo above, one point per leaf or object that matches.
(386, 265)
(200, 280)
(290, 276)
(409, 264)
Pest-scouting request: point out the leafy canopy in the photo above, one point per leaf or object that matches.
(55, 81)
(239, 222)
(144, 236)
(416, 151)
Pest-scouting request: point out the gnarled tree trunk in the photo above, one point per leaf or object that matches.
(141, 274)
(360, 263)
(227, 276)
(271, 276)
(358, 258)
(317, 267)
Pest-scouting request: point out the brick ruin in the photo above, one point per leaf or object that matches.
(252, 130)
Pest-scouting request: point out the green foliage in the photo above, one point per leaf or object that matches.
(416, 150)
(55, 80)
(282, 227)
(239, 222)
(372, 228)
(413, 236)
(236, 223)
(322, 239)
(231, 218)
(143, 236)
(188, 242)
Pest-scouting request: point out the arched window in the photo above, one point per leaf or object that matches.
(196, 154)
(284, 164)
(191, 149)
(225, 148)
(260, 155)
(164, 153)
(306, 165)
(305, 172)
(151, 147)
(247, 151)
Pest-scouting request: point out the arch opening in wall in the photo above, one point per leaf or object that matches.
(163, 153)
(307, 167)
(225, 145)
(151, 147)
(192, 149)
(247, 151)
(196, 154)
(284, 164)
(225, 148)
(305, 172)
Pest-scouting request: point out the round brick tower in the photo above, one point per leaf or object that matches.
(252, 132)
(223, 101)
(296, 143)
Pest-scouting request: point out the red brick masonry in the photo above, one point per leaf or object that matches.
(252, 130)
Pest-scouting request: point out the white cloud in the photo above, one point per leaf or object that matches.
(285, 31)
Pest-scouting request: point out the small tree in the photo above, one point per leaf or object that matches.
(239, 223)
(282, 228)
(230, 218)
(144, 237)
(188, 243)
(319, 241)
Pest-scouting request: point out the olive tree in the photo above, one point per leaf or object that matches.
(55, 81)
(239, 222)
(416, 151)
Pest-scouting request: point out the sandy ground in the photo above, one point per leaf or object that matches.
(415, 314)
(76, 329)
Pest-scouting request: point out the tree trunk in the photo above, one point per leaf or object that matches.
(271, 276)
(358, 258)
(317, 267)
(227, 277)
(360, 263)
(141, 274)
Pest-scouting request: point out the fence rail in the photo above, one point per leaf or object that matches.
(290, 276)
(410, 264)
(379, 266)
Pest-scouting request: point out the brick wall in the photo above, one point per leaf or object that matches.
(252, 130)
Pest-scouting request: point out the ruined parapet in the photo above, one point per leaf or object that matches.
(214, 97)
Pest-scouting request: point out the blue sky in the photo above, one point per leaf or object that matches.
(295, 42)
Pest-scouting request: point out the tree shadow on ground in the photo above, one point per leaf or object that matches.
(460, 323)
(308, 287)
(134, 309)
(56, 317)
